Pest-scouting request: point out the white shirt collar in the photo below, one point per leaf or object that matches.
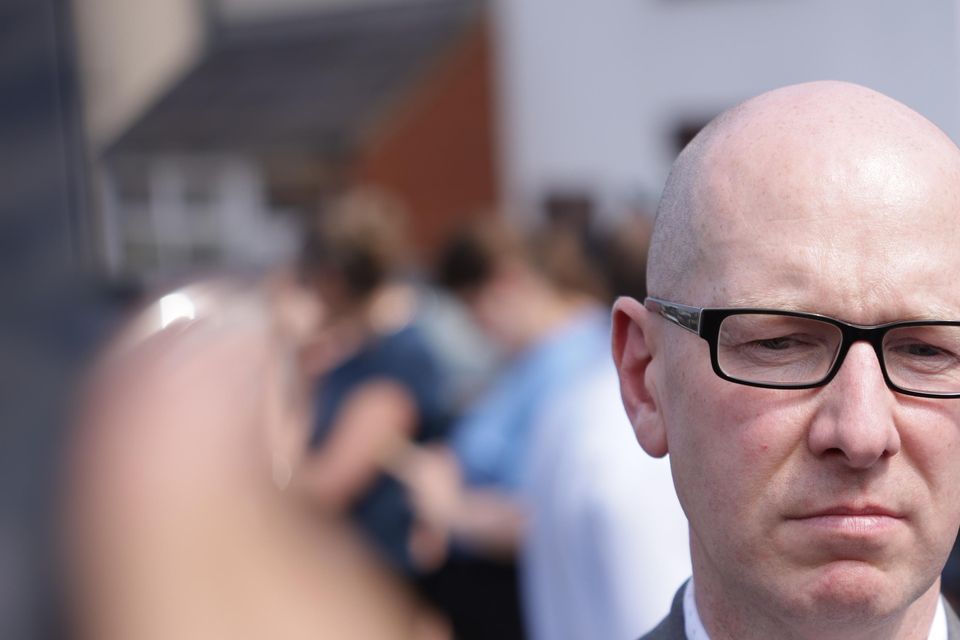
(938, 629)
(693, 626)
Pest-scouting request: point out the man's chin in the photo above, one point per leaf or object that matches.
(852, 591)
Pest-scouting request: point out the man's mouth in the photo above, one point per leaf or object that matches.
(851, 520)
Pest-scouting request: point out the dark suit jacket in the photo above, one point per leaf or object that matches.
(671, 627)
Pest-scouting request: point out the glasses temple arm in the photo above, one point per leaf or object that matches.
(679, 314)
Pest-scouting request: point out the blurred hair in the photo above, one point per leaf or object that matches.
(360, 237)
(557, 253)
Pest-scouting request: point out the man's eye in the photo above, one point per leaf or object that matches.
(776, 344)
(922, 350)
(923, 357)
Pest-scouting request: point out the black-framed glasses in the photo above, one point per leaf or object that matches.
(778, 349)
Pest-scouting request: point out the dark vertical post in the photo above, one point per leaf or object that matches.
(45, 243)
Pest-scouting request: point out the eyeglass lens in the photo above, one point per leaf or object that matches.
(774, 349)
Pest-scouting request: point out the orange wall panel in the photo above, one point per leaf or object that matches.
(436, 150)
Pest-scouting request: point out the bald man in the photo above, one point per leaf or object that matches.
(799, 358)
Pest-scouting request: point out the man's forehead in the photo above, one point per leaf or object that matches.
(872, 279)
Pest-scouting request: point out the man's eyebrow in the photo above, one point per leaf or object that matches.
(932, 312)
(773, 301)
(900, 311)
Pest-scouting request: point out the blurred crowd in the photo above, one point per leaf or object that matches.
(359, 444)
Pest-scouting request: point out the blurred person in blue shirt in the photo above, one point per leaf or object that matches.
(517, 477)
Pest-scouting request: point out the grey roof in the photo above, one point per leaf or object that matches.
(307, 84)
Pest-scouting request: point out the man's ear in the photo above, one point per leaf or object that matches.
(632, 355)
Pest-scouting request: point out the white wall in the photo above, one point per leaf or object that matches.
(590, 91)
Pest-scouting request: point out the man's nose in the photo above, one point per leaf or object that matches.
(854, 421)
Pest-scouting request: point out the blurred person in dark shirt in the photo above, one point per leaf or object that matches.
(377, 385)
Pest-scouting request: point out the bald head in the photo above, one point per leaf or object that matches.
(816, 151)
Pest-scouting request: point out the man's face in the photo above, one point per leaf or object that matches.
(840, 501)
